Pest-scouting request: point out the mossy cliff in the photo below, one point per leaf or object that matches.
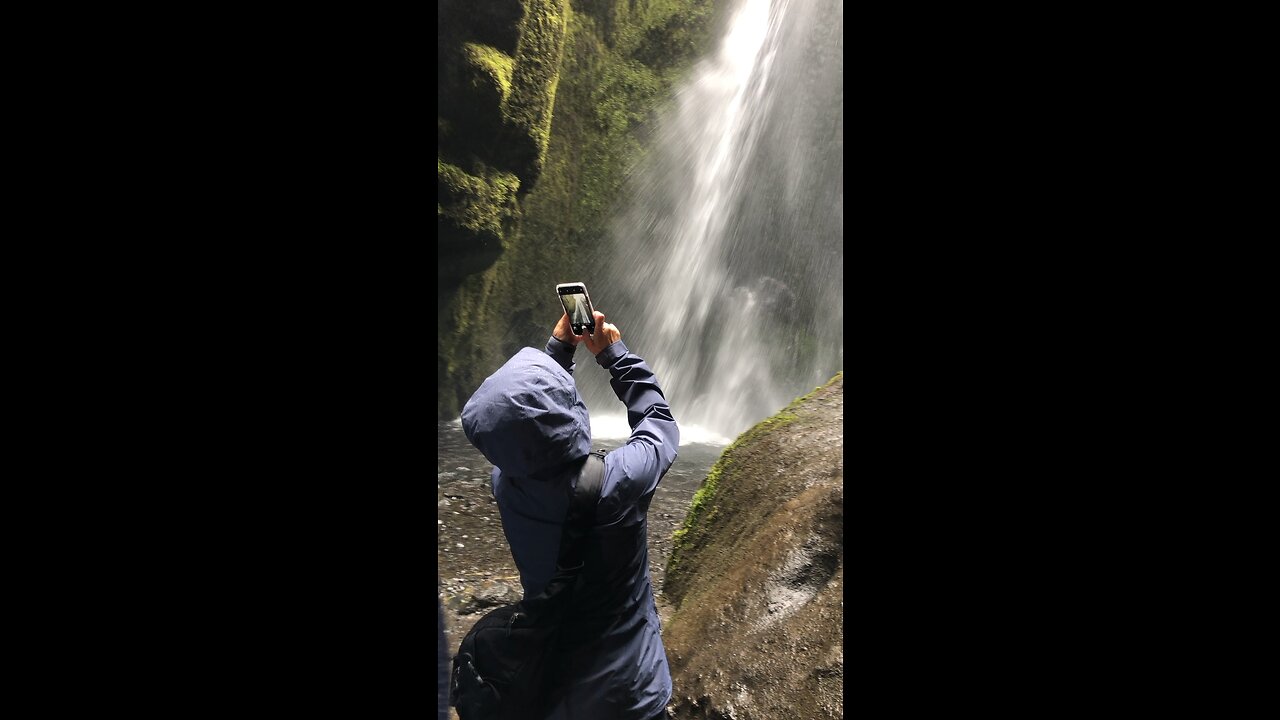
(496, 86)
(756, 577)
(544, 106)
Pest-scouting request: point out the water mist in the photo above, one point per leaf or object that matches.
(725, 260)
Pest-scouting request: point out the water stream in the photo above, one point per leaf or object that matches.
(727, 269)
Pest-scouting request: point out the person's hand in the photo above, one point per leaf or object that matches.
(606, 334)
(564, 332)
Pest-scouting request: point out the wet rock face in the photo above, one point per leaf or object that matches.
(758, 627)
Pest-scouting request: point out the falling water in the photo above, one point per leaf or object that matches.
(727, 256)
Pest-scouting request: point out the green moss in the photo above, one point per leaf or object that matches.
(606, 102)
(666, 29)
(804, 398)
(492, 64)
(527, 108)
(626, 93)
(477, 204)
(702, 511)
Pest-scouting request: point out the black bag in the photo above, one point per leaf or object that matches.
(504, 669)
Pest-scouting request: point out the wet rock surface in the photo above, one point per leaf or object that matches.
(757, 627)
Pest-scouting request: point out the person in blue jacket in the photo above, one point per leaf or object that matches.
(528, 420)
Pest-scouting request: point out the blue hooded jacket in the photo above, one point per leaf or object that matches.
(528, 420)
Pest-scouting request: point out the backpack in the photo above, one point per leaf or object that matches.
(505, 666)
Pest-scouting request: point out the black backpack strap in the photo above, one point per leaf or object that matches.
(582, 510)
(586, 492)
(584, 497)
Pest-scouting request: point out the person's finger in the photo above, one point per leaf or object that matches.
(564, 332)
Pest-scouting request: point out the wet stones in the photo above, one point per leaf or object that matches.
(495, 593)
(461, 605)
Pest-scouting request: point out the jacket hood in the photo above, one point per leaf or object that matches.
(527, 417)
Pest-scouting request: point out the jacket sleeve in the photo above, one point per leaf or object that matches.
(561, 352)
(636, 467)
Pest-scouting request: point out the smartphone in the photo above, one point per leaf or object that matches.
(577, 305)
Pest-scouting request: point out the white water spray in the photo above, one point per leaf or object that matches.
(727, 271)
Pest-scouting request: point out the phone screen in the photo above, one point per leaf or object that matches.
(578, 307)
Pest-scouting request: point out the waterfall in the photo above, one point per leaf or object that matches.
(724, 265)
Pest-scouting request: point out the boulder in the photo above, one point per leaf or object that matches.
(757, 574)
